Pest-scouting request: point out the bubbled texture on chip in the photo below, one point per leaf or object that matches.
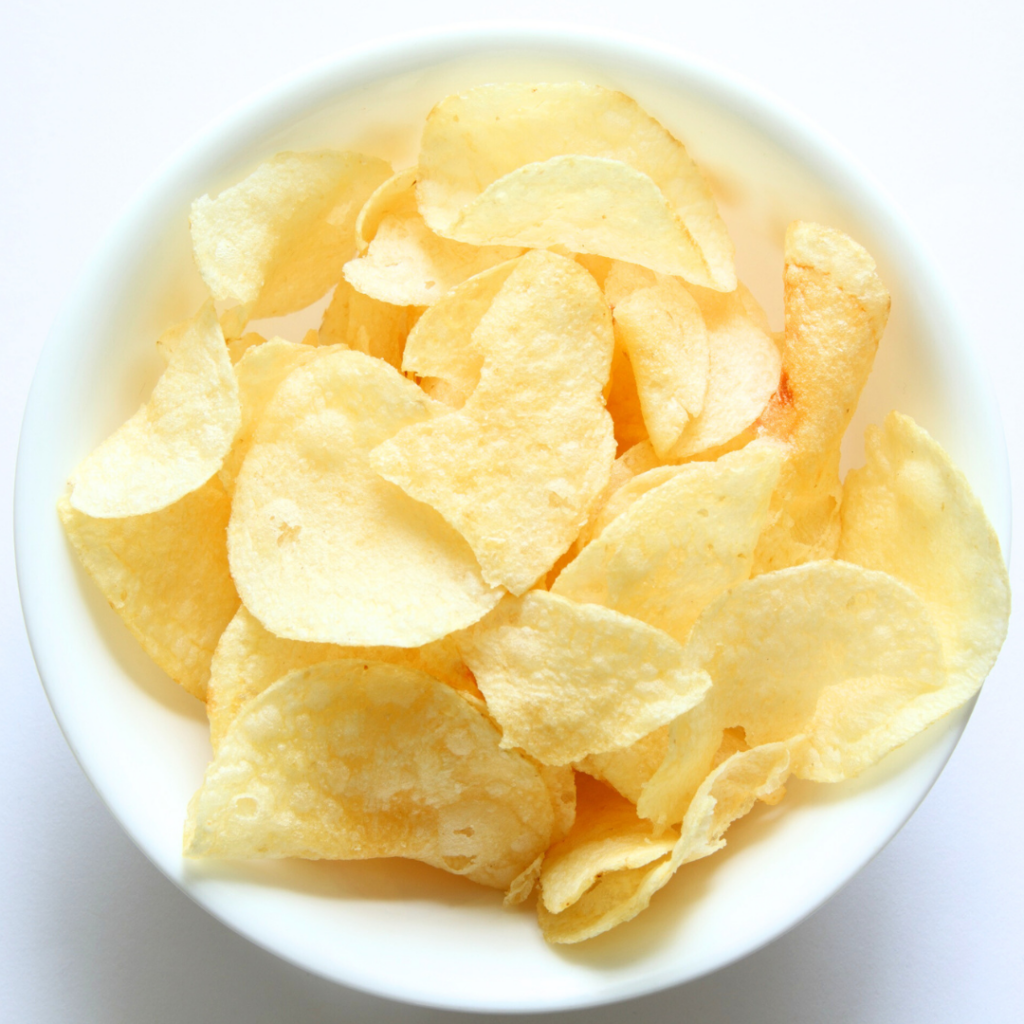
(358, 759)
(516, 468)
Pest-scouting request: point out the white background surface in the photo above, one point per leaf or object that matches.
(96, 96)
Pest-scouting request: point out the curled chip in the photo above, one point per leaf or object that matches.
(660, 327)
(166, 575)
(729, 792)
(401, 260)
(322, 548)
(366, 325)
(564, 680)
(277, 241)
(177, 440)
(441, 347)
(249, 658)
(516, 468)
(910, 512)
(259, 371)
(828, 657)
(743, 371)
(680, 545)
(574, 165)
(358, 759)
(836, 310)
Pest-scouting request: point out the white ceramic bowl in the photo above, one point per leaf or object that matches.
(394, 928)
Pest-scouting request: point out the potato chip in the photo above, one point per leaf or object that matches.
(358, 759)
(743, 372)
(607, 836)
(564, 680)
(680, 545)
(237, 347)
(836, 310)
(516, 468)
(827, 657)
(624, 402)
(322, 549)
(728, 793)
(441, 346)
(401, 260)
(166, 575)
(177, 440)
(366, 325)
(249, 658)
(570, 164)
(259, 372)
(662, 331)
(276, 241)
(910, 512)
(628, 770)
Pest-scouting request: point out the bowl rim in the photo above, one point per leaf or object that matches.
(361, 65)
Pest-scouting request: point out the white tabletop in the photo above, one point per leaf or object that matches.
(930, 98)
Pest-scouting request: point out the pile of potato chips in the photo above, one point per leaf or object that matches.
(534, 562)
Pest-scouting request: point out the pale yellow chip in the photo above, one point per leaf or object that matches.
(441, 347)
(680, 545)
(910, 512)
(661, 329)
(177, 440)
(237, 347)
(322, 548)
(607, 836)
(729, 792)
(516, 468)
(574, 165)
(564, 680)
(828, 657)
(836, 310)
(366, 325)
(401, 260)
(259, 371)
(249, 658)
(357, 759)
(743, 372)
(166, 575)
(628, 770)
(276, 241)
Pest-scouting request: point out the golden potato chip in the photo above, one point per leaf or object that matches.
(570, 164)
(516, 468)
(910, 512)
(564, 680)
(624, 402)
(177, 440)
(628, 770)
(663, 333)
(728, 793)
(249, 658)
(366, 325)
(828, 657)
(358, 759)
(836, 310)
(166, 575)
(322, 549)
(607, 836)
(403, 261)
(680, 545)
(259, 372)
(276, 241)
(743, 372)
(441, 346)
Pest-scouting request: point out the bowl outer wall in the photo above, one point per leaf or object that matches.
(395, 929)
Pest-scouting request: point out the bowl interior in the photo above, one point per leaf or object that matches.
(400, 929)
